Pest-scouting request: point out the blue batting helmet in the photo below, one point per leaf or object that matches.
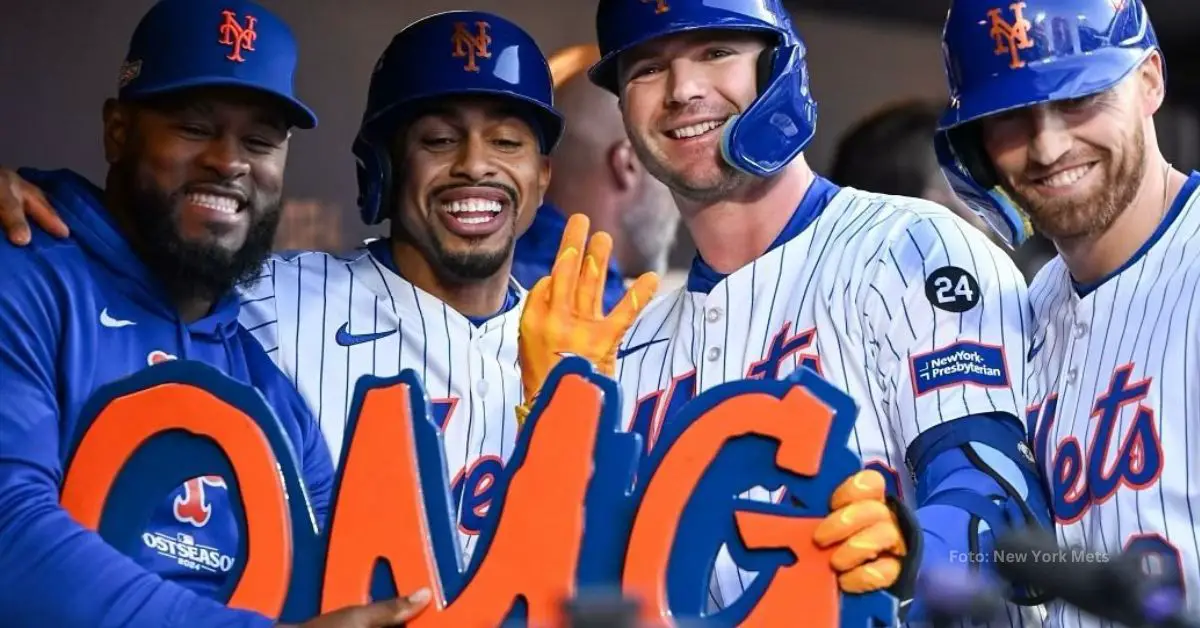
(183, 44)
(779, 123)
(1012, 54)
(456, 53)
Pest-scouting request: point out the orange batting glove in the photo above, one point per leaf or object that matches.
(564, 313)
(870, 542)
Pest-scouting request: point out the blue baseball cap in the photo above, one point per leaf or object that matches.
(182, 44)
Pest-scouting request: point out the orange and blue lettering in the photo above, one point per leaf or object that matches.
(562, 512)
(1079, 478)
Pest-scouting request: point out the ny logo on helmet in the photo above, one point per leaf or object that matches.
(471, 46)
(1012, 37)
(660, 6)
(237, 36)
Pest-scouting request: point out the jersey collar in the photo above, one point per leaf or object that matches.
(1181, 201)
(702, 278)
(381, 250)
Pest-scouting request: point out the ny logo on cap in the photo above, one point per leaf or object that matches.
(237, 36)
(660, 6)
(471, 46)
(1012, 37)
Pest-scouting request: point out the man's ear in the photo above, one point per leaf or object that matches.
(624, 166)
(1153, 75)
(117, 119)
(544, 173)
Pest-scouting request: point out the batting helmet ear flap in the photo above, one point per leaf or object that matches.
(374, 173)
(780, 123)
(960, 153)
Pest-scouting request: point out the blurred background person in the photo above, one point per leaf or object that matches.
(596, 173)
(310, 225)
(891, 152)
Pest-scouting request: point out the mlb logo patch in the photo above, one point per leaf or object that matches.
(962, 363)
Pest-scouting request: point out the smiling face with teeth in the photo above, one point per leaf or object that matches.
(195, 183)
(1074, 166)
(470, 174)
(677, 94)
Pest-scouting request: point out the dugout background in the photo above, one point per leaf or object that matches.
(60, 60)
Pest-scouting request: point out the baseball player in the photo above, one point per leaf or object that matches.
(196, 143)
(1111, 403)
(454, 151)
(896, 300)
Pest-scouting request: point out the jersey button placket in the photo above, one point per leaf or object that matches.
(714, 321)
(1077, 335)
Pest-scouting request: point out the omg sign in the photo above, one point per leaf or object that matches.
(578, 505)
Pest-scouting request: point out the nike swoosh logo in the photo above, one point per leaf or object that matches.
(635, 348)
(347, 339)
(115, 323)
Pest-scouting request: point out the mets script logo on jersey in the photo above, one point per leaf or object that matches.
(186, 552)
(474, 486)
(1011, 37)
(1081, 478)
(959, 364)
(236, 36)
(654, 409)
(470, 47)
(660, 6)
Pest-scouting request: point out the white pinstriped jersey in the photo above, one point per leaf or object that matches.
(853, 295)
(1114, 404)
(328, 320)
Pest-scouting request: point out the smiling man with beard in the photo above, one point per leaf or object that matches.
(196, 141)
(1053, 116)
(202, 217)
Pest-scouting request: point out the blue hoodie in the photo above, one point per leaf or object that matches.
(77, 314)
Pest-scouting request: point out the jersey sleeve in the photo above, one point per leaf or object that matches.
(54, 572)
(947, 313)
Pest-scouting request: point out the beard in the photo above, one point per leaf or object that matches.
(190, 269)
(1064, 219)
(472, 265)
